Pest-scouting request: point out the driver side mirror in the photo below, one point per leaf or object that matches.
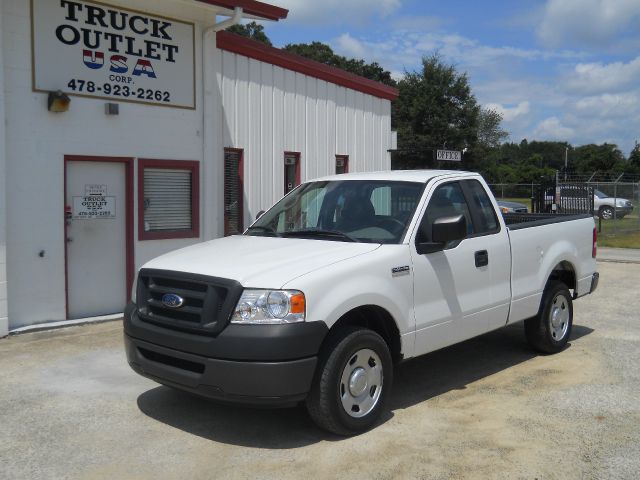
(444, 230)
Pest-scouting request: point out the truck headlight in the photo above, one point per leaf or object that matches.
(269, 307)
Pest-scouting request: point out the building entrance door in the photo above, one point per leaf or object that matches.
(96, 236)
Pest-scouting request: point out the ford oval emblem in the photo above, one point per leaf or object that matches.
(172, 300)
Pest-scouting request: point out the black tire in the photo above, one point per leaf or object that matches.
(324, 403)
(606, 213)
(549, 331)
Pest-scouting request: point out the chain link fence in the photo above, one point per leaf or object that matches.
(616, 207)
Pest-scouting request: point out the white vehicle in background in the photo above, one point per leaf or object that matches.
(345, 277)
(604, 206)
(609, 207)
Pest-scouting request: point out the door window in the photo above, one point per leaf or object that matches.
(342, 164)
(447, 201)
(291, 171)
(485, 220)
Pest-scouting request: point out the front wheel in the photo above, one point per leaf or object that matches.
(606, 213)
(549, 331)
(352, 383)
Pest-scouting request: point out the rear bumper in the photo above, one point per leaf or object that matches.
(247, 364)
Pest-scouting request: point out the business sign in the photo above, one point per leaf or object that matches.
(94, 50)
(449, 155)
(93, 206)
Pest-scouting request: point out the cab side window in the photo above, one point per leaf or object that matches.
(448, 200)
(486, 220)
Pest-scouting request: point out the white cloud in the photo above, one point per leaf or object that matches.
(625, 105)
(600, 78)
(351, 47)
(509, 114)
(318, 12)
(587, 22)
(552, 129)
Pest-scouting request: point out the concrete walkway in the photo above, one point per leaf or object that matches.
(620, 255)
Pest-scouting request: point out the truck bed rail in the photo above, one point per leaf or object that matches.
(517, 221)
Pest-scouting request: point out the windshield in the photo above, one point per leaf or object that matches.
(349, 210)
(600, 194)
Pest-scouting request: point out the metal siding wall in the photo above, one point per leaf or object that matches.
(341, 122)
(331, 128)
(280, 123)
(267, 166)
(308, 168)
(320, 160)
(229, 89)
(270, 110)
(254, 154)
(4, 321)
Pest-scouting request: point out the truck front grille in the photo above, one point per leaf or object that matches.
(202, 304)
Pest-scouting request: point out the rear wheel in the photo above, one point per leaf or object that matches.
(549, 331)
(352, 383)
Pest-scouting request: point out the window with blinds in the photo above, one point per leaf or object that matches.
(168, 199)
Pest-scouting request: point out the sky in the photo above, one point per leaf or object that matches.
(566, 70)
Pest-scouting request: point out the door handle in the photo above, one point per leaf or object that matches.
(482, 258)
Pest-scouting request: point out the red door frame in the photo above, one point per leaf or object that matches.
(240, 152)
(297, 180)
(129, 252)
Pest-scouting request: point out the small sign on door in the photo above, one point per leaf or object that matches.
(94, 206)
(95, 189)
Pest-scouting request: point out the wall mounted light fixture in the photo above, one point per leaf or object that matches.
(58, 102)
(111, 109)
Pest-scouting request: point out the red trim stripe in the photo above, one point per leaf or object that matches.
(259, 51)
(251, 7)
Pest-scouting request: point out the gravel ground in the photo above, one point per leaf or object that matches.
(70, 407)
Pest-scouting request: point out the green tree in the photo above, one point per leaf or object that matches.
(251, 30)
(634, 160)
(323, 53)
(605, 158)
(490, 131)
(436, 109)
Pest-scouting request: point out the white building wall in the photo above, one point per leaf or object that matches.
(4, 321)
(37, 141)
(268, 110)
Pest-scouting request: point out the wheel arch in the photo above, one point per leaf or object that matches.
(373, 317)
(564, 272)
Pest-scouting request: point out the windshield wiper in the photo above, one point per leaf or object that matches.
(319, 233)
(264, 229)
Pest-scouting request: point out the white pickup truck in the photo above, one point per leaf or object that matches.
(346, 276)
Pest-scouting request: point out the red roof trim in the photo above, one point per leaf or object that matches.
(259, 51)
(251, 7)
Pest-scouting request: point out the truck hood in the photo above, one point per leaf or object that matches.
(259, 262)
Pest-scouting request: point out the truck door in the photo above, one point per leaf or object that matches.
(453, 288)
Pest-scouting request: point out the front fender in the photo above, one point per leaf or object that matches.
(336, 289)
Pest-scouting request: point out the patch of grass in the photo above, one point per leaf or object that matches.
(624, 240)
